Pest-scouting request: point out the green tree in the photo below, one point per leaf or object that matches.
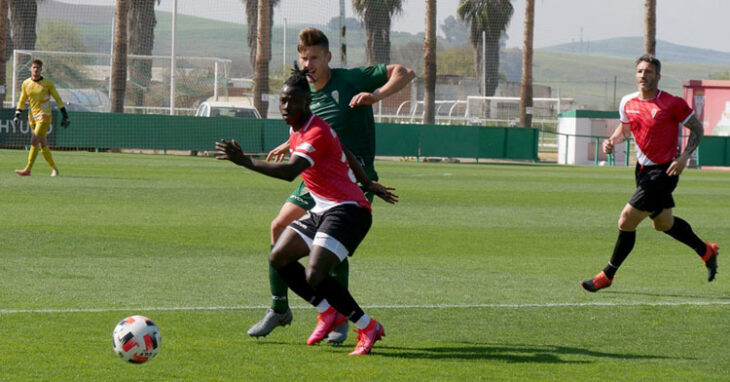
(454, 30)
(490, 17)
(376, 16)
(63, 36)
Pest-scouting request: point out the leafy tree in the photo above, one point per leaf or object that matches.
(454, 30)
(351, 23)
(376, 16)
(63, 36)
(491, 18)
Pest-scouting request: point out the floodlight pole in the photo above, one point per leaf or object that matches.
(172, 58)
(283, 54)
(343, 43)
(111, 57)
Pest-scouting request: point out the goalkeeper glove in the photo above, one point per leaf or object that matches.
(65, 122)
(16, 120)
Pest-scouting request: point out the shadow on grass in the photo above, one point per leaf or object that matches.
(722, 298)
(508, 353)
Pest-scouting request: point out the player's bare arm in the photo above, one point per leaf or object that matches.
(695, 136)
(398, 77)
(279, 152)
(287, 171)
(383, 192)
(622, 132)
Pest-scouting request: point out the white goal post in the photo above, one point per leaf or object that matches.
(95, 68)
(480, 109)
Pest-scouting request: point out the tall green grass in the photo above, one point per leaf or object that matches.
(474, 274)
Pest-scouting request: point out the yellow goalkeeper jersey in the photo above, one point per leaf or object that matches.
(38, 94)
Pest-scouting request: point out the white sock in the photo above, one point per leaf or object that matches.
(322, 306)
(363, 322)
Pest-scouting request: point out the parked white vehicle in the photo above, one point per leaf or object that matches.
(227, 109)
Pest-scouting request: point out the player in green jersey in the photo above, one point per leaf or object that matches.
(343, 98)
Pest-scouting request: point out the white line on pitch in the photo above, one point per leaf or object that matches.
(424, 306)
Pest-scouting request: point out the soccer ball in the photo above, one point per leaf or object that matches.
(136, 339)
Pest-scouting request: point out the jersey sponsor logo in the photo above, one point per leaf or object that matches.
(304, 146)
(632, 112)
(315, 105)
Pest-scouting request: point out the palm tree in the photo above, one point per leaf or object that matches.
(3, 46)
(376, 16)
(119, 59)
(263, 56)
(429, 64)
(23, 16)
(252, 14)
(650, 27)
(491, 17)
(526, 89)
(142, 23)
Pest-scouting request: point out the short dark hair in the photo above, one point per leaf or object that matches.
(37, 62)
(312, 37)
(652, 60)
(298, 79)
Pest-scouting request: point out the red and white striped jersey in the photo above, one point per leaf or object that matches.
(329, 178)
(655, 125)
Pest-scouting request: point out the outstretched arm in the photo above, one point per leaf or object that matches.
(398, 77)
(376, 188)
(287, 171)
(695, 136)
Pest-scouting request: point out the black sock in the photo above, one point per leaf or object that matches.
(294, 276)
(339, 298)
(624, 245)
(682, 231)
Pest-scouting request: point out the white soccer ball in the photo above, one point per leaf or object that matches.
(136, 339)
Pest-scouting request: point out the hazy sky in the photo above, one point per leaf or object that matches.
(698, 23)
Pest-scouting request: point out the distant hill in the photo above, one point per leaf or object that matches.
(583, 71)
(632, 47)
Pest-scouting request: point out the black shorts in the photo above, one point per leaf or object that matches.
(340, 229)
(654, 189)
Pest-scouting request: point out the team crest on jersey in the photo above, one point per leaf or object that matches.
(336, 96)
(653, 112)
(304, 146)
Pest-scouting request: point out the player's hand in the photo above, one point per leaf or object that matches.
(279, 153)
(230, 151)
(678, 165)
(382, 192)
(363, 98)
(16, 120)
(608, 146)
(65, 122)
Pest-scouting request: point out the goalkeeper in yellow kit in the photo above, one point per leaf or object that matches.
(38, 91)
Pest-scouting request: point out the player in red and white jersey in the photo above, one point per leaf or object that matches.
(331, 182)
(655, 125)
(334, 228)
(654, 118)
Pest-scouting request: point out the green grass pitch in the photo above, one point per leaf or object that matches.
(474, 274)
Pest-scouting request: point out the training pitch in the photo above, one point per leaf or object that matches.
(474, 274)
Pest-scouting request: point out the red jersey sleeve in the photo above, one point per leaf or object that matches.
(314, 144)
(681, 110)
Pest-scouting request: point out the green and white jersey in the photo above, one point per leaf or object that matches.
(354, 126)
